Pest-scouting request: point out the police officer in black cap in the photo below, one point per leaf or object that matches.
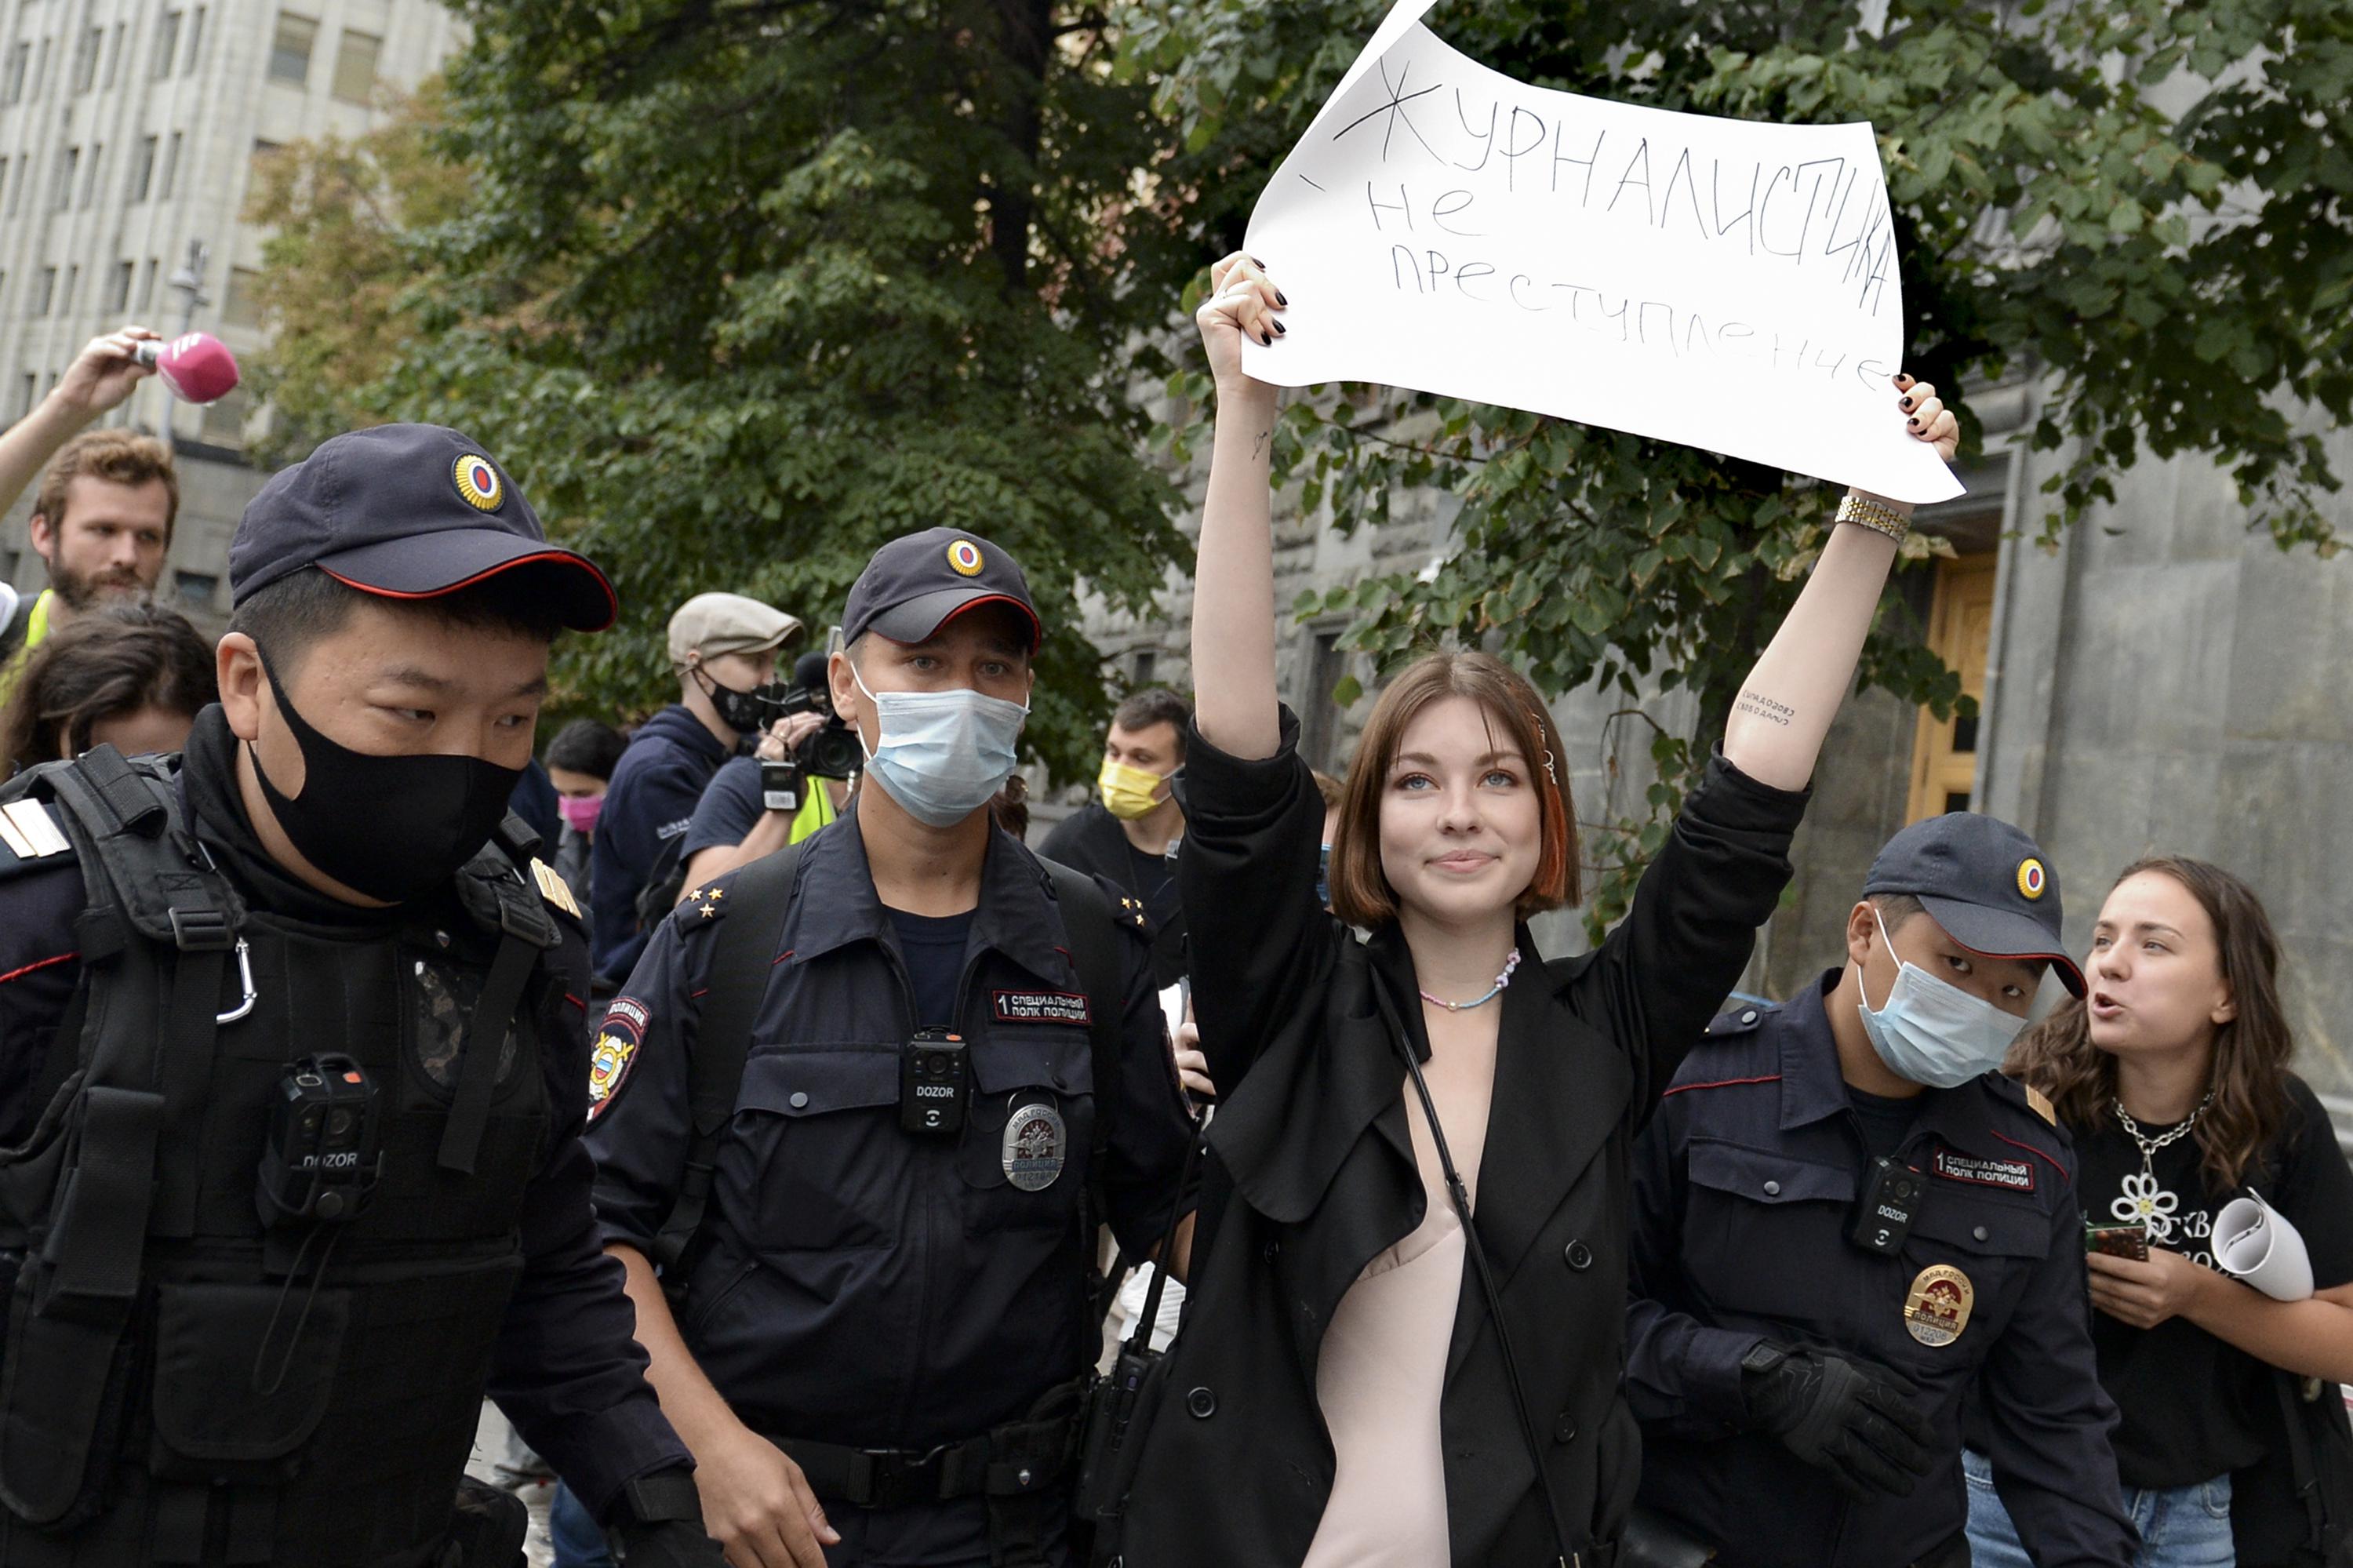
(294, 1036)
(1846, 1222)
(859, 1101)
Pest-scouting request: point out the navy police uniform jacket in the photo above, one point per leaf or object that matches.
(648, 805)
(567, 1368)
(1744, 1189)
(855, 1283)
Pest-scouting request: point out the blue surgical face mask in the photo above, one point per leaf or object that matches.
(1934, 1033)
(941, 753)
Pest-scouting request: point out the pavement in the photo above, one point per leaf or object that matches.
(494, 1445)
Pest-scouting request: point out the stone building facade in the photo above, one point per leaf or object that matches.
(129, 129)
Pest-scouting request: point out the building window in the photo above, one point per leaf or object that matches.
(147, 283)
(85, 65)
(62, 184)
(167, 44)
(1960, 629)
(89, 177)
(41, 67)
(143, 170)
(29, 395)
(113, 55)
(47, 296)
(24, 179)
(117, 293)
(289, 51)
(195, 43)
(73, 286)
(3, 174)
(12, 88)
(1141, 665)
(260, 171)
(171, 164)
(355, 61)
(242, 306)
(194, 589)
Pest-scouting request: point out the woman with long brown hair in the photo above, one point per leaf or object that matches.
(133, 676)
(1345, 1391)
(2172, 1073)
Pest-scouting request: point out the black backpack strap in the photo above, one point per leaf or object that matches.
(742, 952)
(1090, 924)
(155, 899)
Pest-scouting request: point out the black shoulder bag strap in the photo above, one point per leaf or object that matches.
(1477, 1251)
(741, 953)
(1089, 925)
(155, 897)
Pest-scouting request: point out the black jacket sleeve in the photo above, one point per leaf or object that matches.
(1665, 970)
(567, 1369)
(1262, 947)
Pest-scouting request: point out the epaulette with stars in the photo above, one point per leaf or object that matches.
(705, 900)
(1132, 912)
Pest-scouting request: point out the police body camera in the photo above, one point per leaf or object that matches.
(324, 1149)
(934, 1086)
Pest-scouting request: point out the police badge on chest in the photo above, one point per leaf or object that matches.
(1036, 1142)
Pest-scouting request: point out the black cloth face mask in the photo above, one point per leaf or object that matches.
(741, 712)
(390, 827)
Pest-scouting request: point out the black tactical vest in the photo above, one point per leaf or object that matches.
(182, 1383)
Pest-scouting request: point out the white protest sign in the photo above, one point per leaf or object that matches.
(1723, 283)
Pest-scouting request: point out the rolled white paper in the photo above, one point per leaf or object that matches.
(2255, 1241)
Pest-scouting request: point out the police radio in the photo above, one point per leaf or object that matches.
(1891, 1200)
(324, 1151)
(933, 1085)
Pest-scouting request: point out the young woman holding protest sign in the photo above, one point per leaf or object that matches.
(1343, 1394)
(2195, 1143)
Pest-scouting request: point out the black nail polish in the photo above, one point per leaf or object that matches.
(1907, 405)
(1281, 329)
(1281, 301)
(1269, 339)
(1914, 423)
(1256, 262)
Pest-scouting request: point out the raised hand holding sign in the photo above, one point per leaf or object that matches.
(1724, 284)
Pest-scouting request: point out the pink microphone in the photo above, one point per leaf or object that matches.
(196, 367)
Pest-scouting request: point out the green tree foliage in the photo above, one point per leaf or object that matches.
(344, 218)
(2144, 201)
(743, 288)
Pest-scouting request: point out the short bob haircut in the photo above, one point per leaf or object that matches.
(1361, 894)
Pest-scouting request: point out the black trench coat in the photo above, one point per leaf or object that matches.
(1310, 1173)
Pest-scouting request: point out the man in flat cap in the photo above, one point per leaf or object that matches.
(722, 647)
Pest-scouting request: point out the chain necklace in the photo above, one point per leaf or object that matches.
(2149, 1146)
(1497, 990)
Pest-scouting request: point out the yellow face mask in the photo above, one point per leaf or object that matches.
(1128, 792)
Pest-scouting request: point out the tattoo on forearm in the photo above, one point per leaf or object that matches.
(1765, 708)
(1258, 446)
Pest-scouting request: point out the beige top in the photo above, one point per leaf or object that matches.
(1382, 1367)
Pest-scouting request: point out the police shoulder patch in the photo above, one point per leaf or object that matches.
(615, 1054)
(554, 888)
(27, 832)
(2041, 1104)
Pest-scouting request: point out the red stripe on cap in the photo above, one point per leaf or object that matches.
(1037, 631)
(564, 557)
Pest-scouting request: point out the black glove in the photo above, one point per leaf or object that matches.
(657, 1523)
(1854, 1419)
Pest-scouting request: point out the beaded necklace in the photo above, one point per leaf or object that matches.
(1497, 990)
